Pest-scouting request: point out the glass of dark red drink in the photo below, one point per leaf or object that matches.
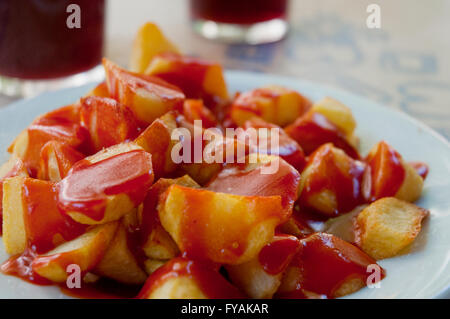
(240, 21)
(49, 44)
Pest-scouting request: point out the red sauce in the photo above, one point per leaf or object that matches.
(210, 282)
(65, 156)
(60, 125)
(20, 266)
(150, 218)
(258, 100)
(86, 187)
(46, 227)
(421, 168)
(386, 171)
(188, 74)
(100, 114)
(195, 110)
(313, 130)
(329, 174)
(236, 179)
(276, 256)
(326, 262)
(198, 225)
(123, 85)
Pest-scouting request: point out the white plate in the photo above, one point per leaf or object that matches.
(423, 273)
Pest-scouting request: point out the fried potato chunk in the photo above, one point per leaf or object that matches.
(85, 251)
(104, 187)
(14, 235)
(56, 160)
(182, 278)
(157, 140)
(156, 242)
(331, 181)
(389, 175)
(119, 262)
(387, 226)
(274, 104)
(149, 41)
(13, 167)
(240, 225)
(328, 266)
(147, 96)
(197, 78)
(260, 277)
(337, 113)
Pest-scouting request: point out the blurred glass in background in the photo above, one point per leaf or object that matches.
(42, 47)
(240, 21)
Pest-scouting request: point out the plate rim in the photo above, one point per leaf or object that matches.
(445, 293)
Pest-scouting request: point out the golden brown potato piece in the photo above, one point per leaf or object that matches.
(149, 42)
(182, 278)
(260, 277)
(119, 262)
(147, 96)
(197, 78)
(100, 90)
(388, 175)
(100, 196)
(240, 225)
(156, 242)
(157, 140)
(274, 104)
(85, 251)
(62, 124)
(14, 234)
(326, 266)
(337, 113)
(387, 226)
(330, 183)
(13, 167)
(56, 160)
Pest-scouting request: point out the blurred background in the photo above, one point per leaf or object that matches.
(404, 64)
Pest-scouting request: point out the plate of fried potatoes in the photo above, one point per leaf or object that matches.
(158, 183)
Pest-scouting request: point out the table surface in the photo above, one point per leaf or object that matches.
(405, 64)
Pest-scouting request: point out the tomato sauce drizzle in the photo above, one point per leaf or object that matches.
(313, 130)
(60, 125)
(328, 175)
(188, 74)
(87, 185)
(46, 226)
(210, 282)
(386, 171)
(326, 262)
(288, 149)
(237, 180)
(65, 155)
(276, 256)
(20, 266)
